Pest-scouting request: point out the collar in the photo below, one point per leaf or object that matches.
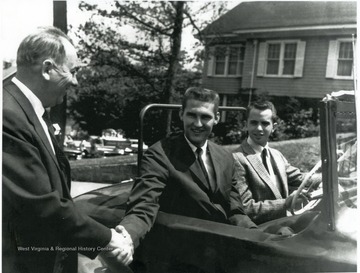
(33, 99)
(257, 148)
(193, 147)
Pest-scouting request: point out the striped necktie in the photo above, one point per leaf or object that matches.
(199, 152)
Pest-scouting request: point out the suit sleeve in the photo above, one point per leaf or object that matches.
(238, 214)
(143, 204)
(29, 189)
(258, 211)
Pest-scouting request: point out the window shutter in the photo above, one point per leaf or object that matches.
(300, 56)
(211, 60)
(261, 59)
(331, 60)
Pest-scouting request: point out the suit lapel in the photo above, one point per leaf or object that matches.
(217, 166)
(31, 115)
(259, 167)
(185, 160)
(279, 168)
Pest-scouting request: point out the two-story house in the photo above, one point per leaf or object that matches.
(293, 48)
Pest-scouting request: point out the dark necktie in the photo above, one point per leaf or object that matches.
(199, 152)
(263, 157)
(60, 156)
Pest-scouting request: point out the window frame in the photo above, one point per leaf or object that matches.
(224, 60)
(281, 59)
(332, 64)
(240, 62)
(262, 58)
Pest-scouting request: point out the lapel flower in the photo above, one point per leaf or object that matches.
(57, 129)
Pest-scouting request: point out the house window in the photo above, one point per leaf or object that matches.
(289, 59)
(226, 61)
(236, 60)
(273, 59)
(220, 60)
(281, 58)
(345, 60)
(340, 59)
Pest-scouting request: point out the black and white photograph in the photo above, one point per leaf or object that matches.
(179, 136)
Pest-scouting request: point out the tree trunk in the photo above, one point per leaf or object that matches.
(174, 58)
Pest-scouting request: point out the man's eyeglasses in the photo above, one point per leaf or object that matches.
(72, 71)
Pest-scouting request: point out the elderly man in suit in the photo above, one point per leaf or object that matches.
(264, 176)
(186, 174)
(42, 230)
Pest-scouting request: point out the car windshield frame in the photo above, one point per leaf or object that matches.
(330, 109)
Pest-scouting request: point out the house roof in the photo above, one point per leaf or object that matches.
(279, 14)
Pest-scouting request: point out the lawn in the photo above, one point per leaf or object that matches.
(302, 153)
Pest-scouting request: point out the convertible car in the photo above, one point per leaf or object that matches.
(325, 230)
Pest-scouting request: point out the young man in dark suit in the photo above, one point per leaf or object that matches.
(264, 176)
(42, 230)
(174, 180)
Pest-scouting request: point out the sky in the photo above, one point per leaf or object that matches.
(20, 17)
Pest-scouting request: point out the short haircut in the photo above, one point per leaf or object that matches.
(262, 105)
(44, 43)
(201, 94)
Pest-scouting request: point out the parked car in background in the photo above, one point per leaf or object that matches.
(72, 152)
(73, 149)
(106, 146)
(324, 237)
(111, 143)
(135, 145)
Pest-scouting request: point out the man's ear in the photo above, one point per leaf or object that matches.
(47, 65)
(246, 126)
(181, 112)
(275, 125)
(217, 118)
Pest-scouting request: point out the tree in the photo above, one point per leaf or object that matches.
(126, 72)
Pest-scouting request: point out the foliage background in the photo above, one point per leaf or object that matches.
(123, 74)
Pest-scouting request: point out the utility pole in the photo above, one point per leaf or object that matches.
(58, 113)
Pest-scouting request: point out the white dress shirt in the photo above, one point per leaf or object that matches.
(36, 104)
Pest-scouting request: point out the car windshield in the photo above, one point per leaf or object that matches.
(339, 160)
(346, 144)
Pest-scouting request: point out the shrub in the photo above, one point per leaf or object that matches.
(298, 125)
